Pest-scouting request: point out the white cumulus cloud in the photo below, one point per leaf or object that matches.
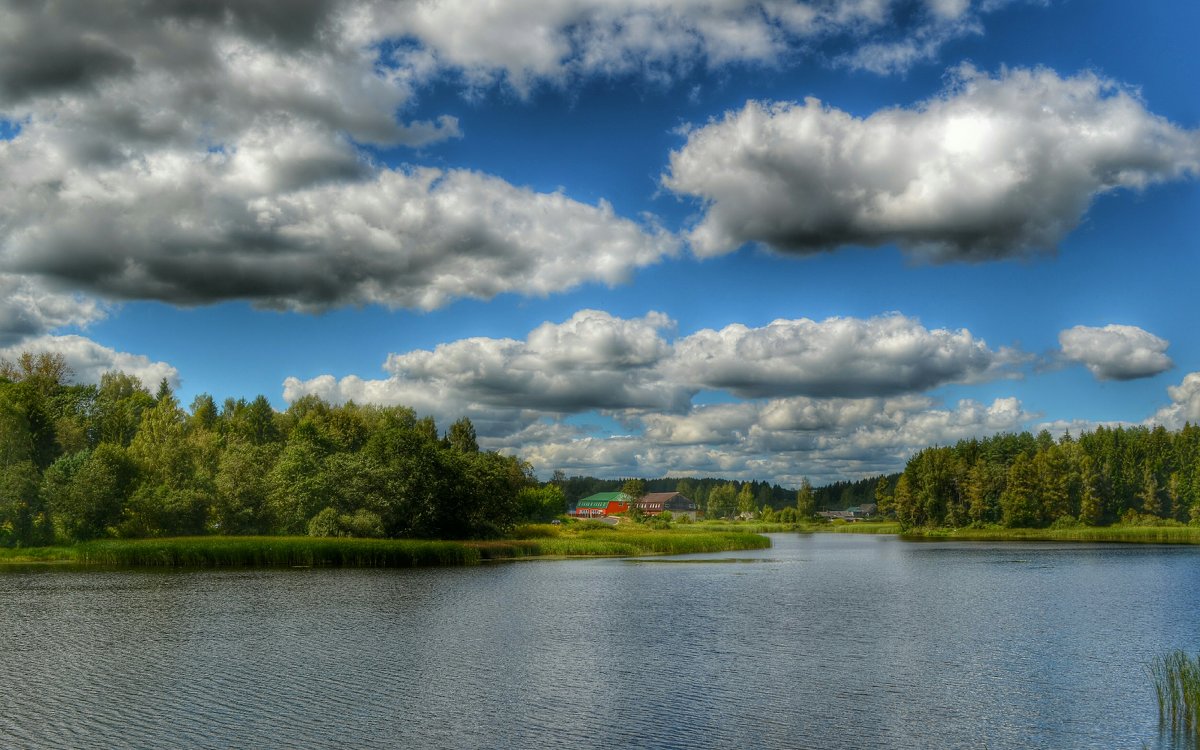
(89, 360)
(1116, 352)
(995, 166)
(836, 357)
(1184, 406)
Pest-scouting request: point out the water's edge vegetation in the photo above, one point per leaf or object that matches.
(1117, 534)
(544, 541)
(530, 542)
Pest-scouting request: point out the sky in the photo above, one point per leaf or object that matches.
(751, 239)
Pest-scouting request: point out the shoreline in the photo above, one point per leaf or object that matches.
(345, 552)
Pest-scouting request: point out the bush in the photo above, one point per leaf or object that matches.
(362, 523)
(325, 524)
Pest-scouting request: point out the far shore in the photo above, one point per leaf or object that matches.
(530, 542)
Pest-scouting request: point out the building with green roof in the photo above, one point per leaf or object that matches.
(601, 504)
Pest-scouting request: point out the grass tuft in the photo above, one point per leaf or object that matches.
(1177, 685)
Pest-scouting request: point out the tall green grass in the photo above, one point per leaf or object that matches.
(606, 541)
(265, 551)
(806, 527)
(1177, 684)
(277, 551)
(753, 527)
(23, 555)
(857, 527)
(1117, 533)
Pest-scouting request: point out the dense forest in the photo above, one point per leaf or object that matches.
(1136, 475)
(79, 462)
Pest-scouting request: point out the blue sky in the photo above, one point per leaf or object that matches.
(751, 238)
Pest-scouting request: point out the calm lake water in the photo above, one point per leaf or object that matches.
(824, 641)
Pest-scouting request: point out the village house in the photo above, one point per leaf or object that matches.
(853, 513)
(679, 505)
(604, 504)
(601, 504)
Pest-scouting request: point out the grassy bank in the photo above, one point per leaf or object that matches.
(1117, 533)
(580, 540)
(752, 527)
(267, 551)
(858, 527)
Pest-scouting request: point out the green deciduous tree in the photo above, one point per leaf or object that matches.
(745, 501)
(806, 504)
(541, 503)
(461, 436)
(722, 501)
(86, 492)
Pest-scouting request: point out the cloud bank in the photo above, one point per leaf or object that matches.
(843, 394)
(194, 153)
(200, 152)
(995, 167)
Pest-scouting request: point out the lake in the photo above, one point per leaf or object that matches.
(823, 641)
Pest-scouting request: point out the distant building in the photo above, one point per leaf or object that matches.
(601, 504)
(853, 513)
(656, 502)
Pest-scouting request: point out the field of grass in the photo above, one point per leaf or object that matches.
(1116, 533)
(579, 540)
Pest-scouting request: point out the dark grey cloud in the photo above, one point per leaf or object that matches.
(28, 309)
(995, 167)
(194, 152)
(215, 229)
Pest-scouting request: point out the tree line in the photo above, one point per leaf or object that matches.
(694, 488)
(1131, 475)
(80, 462)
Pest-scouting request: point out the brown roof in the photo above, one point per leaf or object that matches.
(658, 497)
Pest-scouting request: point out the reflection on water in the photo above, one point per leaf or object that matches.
(835, 641)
